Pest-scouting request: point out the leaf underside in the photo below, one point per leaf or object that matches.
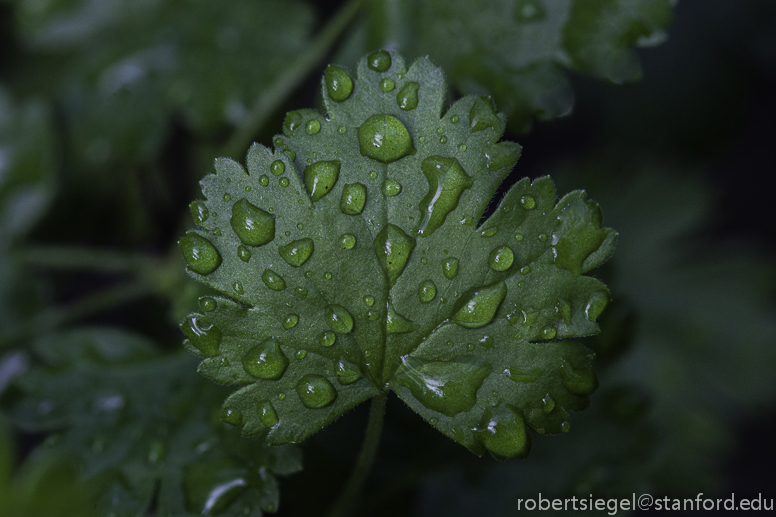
(351, 261)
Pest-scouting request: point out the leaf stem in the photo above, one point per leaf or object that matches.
(92, 304)
(344, 503)
(289, 79)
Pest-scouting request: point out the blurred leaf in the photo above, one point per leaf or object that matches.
(359, 267)
(140, 424)
(516, 50)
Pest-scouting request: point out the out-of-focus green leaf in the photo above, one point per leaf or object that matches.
(135, 64)
(516, 49)
(141, 424)
(353, 263)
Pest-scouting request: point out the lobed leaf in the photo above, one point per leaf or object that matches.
(351, 262)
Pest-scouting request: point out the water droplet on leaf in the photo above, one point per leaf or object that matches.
(290, 321)
(501, 258)
(528, 202)
(347, 241)
(277, 168)
(384, 138)
(450, 267)
(339, 319)
(203, 336)
(231, 416)
(339, 85)
(253, 226)
(267, 414)
(297, 252)
(446, 182)
(391, 187)
(407, 98)
(379, 61)
(347, 373)
(265, 361)
(353, 199)
(478, 307)
(273, 280)
(320, 177)
(312, 127)
(426, 291)
(393, 248)
(201, 256)
(315, 391)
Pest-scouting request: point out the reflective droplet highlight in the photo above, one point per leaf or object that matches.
(265, 361)
(244, 253)
(231, 416)
(407, 98)
(290, 321)
(483, 115)
(384, 138)
(312, 127)
(450, 267)
(528, 202)
(503, 433)
(478, 307)
(297, 252)
(199, 212)
(273, 280)
(277, 168)
(387, 85)
(347, 241)
(501, 258)
(200, 255)
(328, 338)
(339, 85)
(391, 188)
(379, 61)
(207, 304)
(393, 248)
(339, 319)
(446, 182)
(267, 414)
(426, 291)
(353, 199)
(315, 391)
(202, 335)
(369, 300)
(320, 177)
(347, 373)
(251, 224)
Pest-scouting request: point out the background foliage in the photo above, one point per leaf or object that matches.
(111, 111)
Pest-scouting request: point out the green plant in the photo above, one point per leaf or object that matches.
(111, 112)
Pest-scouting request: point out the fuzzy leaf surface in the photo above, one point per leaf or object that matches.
(138, 422)
(351, 262)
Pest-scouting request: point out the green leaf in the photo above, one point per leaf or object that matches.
(137, 422)
(143, 63)
(517, 50)
(400, 289)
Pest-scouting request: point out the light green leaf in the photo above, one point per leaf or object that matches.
(516, 50)
(400, 289)
(137, 422)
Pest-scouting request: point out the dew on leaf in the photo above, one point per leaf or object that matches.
(450, 267)
(395, 323)
(339, 85)
(327, 275)
(393, 248)
(487, 342)
(462, 147)
(238, 288)
(446, 182)
(281, 396)
(596, 304)
(320, 177)
(315, 391)
(199, 212)
(253, 226)
(479, 306)
(503, 433)
(548, 404)
(518, 237)
(328, 338)
(387, 85)
(347, 241)
(347, 373)
(267, 414)
(392, 187)
(543, 237)
(297, 252)
(277, 168)
(342, 130)
(300, 354)
(291, 154)
(379, 61)
(227, 197)
(426, 291)
(203, 336)
(454, 119)
(443, 139)
(339, 319)
(353, 199)
(489, 232)
(579, 381)
(207, 303)
(312, 127)
(293, 121)
(525, 270)
(369, 300)
(433, 420)
(407, 98)
(549, 333)
(384, 138)
(501, 258)
(200, 255)
(528, 202)
(231, 416)
(265, 361)
(263, 180)
(290, 321)
(273, 280)
(283, 182)
(372, 315)
(483, 115)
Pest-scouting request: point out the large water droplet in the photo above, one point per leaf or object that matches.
(501, 258)
(387, 85)
(379, 61)
(579, 381)
(273, 280)
(277, 167)
(297, 252)
(203, 336)
(407, 98)
(353, 198)
(267, 413)
(253, 226)
(446, 387)
(392, 187)
(347, 241)
(478, 307)
(450, 267)
(312, 127)
(384, 138)
(290, 321)
(347, 373)
(339, 85)
(339, 319)
(502, 431)
(201, 256)
(446, 182)
(393, 248)
(426, 291)
(244, 253)
(328, 338)
(320, 177)
(315, 391)
(395, 323)
(483, 115)
(199, 212)
(265, 361)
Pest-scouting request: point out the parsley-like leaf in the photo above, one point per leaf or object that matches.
(353, 262)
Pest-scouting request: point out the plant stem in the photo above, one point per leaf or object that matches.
(68, 257)
(92, 304)
(289, 80)
(358, 475)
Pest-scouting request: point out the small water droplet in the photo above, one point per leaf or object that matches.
(353, 199)
(281, 396)
(283, 182)
(227, 197)
(297, 252)
(312, 127)
(369, 300)
(202, 335)
(450, 267)
(347, 373)
(265, 361)
(342, 130)
(528, 202)
(433, 420)
(372, 315)
(339, 85)
(231, 416)
(379, 61)
(501, 258)
(207, 304)
(462, 147)
(273, 280)
(543, 237)
(518, 237)
(328, 338)
(290, 321)
(267, 413)
(320, 177)
(454, 119)
(490, 232)
(339, 319)
(391, 187)
(479, 306)
(426, 291)
(525, 270)
(407, 98)
(327, 275)
(447, 180)
(393, 248)
(384, 138)
(443, 139)
(238, 288)
(387, 85)
(300, 354)
(277, 168)
(199, 212)
(347, 241)
(471, 346)
(291, 154)
(315, 391)
(549, 333)
(263, 180)
(201, 256)
(424, 261)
